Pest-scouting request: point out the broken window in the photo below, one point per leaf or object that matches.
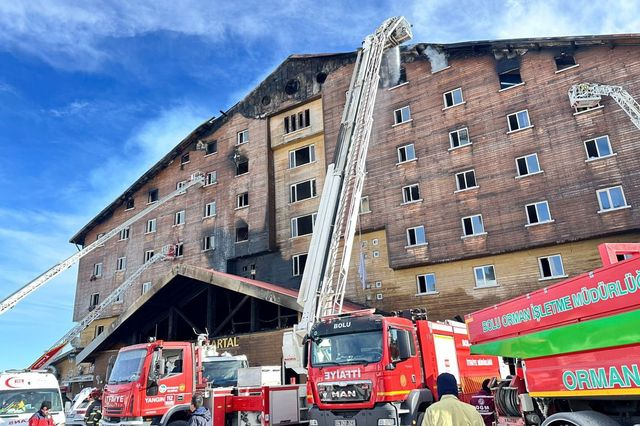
(299, 262)
(152, 196)
(406, 153)
(551, 267)
(208, 243)
(459, 138)
(148, 254)
(178, 250)
(211, 148)
(518, 120)
(242, 200)
(99, 330)
(453, 98)
(416, 236)
(426, 283)
(302, 225)
(528, 165)
(411, 193)
(243, 137)
(598, 147)
(538, 213)
(509, 73)
(472, 225)
(184, 159)
(242, 233)
(364, 205)
(564, 61)
(297, 121)
(402, 115)
(129, 204)
(302, 156)
(466, 180)
(302, 191)
(242, 167)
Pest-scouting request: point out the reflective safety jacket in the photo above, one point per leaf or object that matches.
(450, 411)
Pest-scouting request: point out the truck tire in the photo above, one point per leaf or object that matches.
(580, 418)
(178, 423)
(420, 419)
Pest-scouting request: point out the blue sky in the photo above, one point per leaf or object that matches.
(92, 93)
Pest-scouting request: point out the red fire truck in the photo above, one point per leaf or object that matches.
(364, 367)
(153, 383)
(576, 347)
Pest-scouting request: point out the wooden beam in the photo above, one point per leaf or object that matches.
(254, 315)
(187, 320)
(211, 308)
(230, 316)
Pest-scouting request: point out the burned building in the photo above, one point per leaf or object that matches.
(483, 183)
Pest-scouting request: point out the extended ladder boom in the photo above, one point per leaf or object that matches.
(323, 282)
(590, 94)
(15, 298)
(166, 253)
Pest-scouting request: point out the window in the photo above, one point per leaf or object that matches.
(242, 200)
(297, 121)
(179, 218)
(211, 148)
(426, 283)
(100, 235)
(181, 185)
(242, 167)
(121, 264)
(302, 191)
(453, 98)
(510, 78)
(302, 156)
(146, 287)
(124, 234)
(623, 256)
(210, 209)
(299, 261)
(152, 196)
(411, 193)
(151, 226)
(611, 198)
(211, 178)
(378, 284)
(243, 137)
(528, 165)
(459, 138)
(364, 205)
(402, 115)
(518, 120)
(148, 254)
(472, 225)
(208, 243)
(598, 147)
(538, 213)
(242, 233)
(98, 331)
(466, 180)
(564, 61)
(586, 108)
(379, 296)
(94, 300)
(184, 159)
(551, 267)
(406, 153)
(485, 276)
(302, 225)
(129, 204)
(118, 298)
(97, 269)
(416, 236)
(178, 250)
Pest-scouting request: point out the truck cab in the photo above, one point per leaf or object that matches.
(23, 391)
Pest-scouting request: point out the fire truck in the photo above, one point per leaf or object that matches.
(574, 347)
(152, 383)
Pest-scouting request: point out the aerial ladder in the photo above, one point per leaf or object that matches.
(197, 179)
(588, 95)
(323, 282)
(167, 253)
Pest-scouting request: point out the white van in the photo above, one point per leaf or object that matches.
(22, 392)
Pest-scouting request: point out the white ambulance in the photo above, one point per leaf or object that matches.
(22, 392)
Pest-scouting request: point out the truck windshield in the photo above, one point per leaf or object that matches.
(353, 348)
(127, 367)
(222, 373)
(21, 401)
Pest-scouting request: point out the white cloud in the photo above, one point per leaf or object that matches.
(74, 108)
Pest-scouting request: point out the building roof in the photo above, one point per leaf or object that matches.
(254, 105)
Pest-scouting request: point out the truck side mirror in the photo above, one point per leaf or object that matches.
(161, 367)
(404, 346)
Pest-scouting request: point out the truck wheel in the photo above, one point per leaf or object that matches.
(420, 418)
(178, 423)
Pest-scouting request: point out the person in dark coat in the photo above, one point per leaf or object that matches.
(200, 415)
(42, 416)
(483, 401)
(94, 410)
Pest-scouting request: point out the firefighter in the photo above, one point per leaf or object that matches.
(483, 401)
(42, 416)
(94, 410)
